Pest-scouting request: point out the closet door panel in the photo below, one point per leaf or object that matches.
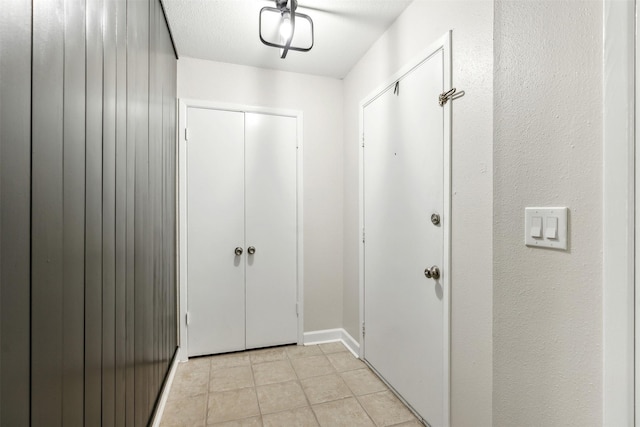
(270, 193)
(215, 227)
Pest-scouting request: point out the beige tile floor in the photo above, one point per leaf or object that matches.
(319, 385)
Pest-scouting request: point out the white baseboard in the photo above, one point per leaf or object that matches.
(351, 343)
(164, 395)
(333, 335)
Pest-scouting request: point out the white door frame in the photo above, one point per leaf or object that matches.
(183, 104)
(444, 44)
(619, 210)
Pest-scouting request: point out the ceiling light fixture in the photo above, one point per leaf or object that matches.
(287, 17)
(286, 28)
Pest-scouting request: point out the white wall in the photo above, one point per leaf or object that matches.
(547, 152)
(421, 24)
(320, 100)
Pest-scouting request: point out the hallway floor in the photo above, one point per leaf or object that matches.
(318, 385)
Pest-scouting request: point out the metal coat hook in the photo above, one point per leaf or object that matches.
(451, 94)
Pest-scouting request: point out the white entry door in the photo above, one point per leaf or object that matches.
(404, 311)
(241, 230)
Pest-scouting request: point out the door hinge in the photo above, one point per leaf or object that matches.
(363, 329)
(363, 140)
(363, 235)
(187, 320)
(450, 94)
(297, 312)
(186, 134)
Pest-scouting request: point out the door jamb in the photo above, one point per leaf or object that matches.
(183, 105)
(618, 405)
(443, 44)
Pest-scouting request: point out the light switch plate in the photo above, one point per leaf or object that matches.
(560, 242)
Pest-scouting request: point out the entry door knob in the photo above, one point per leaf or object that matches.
(432, 273)
(251, 250)
(238, 251)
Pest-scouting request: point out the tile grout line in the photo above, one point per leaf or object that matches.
(255, 389)
(387, 390)
(206, 402)
(358, 397)
(367, 412)
(326, 355)
(302, 388)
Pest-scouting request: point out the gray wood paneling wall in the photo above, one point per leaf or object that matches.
(88, 322)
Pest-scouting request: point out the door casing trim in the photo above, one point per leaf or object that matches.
(619, 296)
(442, 44)
(183, 105)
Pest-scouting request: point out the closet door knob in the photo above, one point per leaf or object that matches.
(432, 273)
(238, 251)
(251, 250)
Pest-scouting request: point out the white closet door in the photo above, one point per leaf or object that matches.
(270, 197)
(215, 221)
(403, 187)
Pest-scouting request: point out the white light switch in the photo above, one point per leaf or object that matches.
(536, 226)
(551, 230)
(546, 227)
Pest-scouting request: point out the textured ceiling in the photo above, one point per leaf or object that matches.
(227, 31)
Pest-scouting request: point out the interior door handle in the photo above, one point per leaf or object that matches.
(238, 251)
(432, 273)
(251, 250)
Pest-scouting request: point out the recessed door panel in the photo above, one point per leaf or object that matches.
(215, 227)
(270, 195)
(403, 187)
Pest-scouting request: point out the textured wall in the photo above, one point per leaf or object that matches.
(471, 277)
(320, 100)
(547, 152)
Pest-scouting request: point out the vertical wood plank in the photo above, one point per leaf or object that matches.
(173, 179)
(47, 214)
(152, 186)
(15, 191)
(167, 105)
(121, 213)
(138, 82)
(172, 165)
(169, 228)
(108, 212)
(93, 221)
(73, 205)
(132, 113)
